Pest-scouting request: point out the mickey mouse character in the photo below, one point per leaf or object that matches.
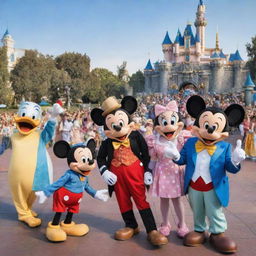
(123, 161)
(207, 158)
(68, 190)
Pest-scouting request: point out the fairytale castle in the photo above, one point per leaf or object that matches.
(188, 62)
(13, 54)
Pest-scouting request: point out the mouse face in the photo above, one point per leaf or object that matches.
(117, 122)
(80, 158)
(212, 124)
(168, 125)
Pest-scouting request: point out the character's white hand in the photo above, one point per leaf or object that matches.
(41, 196)
(238, 154)
(148, 178)
(102, 195)
(171, 151)
(56, 110)
(109, 177)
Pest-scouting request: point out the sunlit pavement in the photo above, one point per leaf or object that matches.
(104, 218)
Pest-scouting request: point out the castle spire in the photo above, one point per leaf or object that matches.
(217, 47)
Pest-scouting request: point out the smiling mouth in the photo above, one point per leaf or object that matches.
(122, 137)
(25, 127)
(168, 134)
(208, 141)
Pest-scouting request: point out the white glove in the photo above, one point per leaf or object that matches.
(238, 154)
(109, 177)
(41, 197)
(171, 151)
(56, 110)
(102, 195)
(148, 178)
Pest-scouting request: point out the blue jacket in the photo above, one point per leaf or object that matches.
(71, 181)
(219, 164)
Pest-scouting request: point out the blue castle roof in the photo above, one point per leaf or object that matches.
(201, 2)
(215, 55)
(167, 39)
(222, 55)
(235, 56)
(188, 32)
(249, 82)
(149, 66)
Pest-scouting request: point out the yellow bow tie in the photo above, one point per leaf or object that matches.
(125, 143)
(200, 146)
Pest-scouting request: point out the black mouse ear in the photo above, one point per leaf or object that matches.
(235, 114)
(91, 144)
(97, 118)
(61, 149)
(195, 105)
(130, 104)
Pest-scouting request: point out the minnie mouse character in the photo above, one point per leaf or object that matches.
(68, 190)
(207, 158)
(168, 176)
(123, 161)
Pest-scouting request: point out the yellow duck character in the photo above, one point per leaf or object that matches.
(30, 166)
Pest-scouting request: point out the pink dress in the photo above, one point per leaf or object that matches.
(168, 177)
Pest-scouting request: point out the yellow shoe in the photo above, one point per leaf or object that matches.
(73, 229)
(54, 233)
(34, 214)
(31, 221)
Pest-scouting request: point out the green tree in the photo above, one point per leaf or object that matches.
(31, 76)
(6, 92)
(137, 82)
(251, 52)
(111, 85)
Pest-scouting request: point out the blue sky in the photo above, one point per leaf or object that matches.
(111, 31)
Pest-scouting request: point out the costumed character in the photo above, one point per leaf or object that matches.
(168, 176)
(123, 161)
(30, 166)
(68, 189)
(207, 158)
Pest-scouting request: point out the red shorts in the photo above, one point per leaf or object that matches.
(65, 200)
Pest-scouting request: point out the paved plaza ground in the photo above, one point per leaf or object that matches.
(104, 218)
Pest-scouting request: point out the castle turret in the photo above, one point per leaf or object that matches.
(237, 62)
(201, 23)
(177, 44)
(148, 70)
(198, 47)
(8, 42)
(248, 89)
(167, 48)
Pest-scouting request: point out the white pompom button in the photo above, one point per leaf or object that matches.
(141, 164)
(66, 198)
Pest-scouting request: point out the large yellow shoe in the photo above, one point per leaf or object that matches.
(73, 229)
(31, 221)
(54, 233)
(34, 214)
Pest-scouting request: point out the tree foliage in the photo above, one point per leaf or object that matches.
(137, 82)
(251, 52)
(5, 90)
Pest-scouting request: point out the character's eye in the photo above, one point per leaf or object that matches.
(83, 159)
(113, 126)
(206, 125)
(121, 123)
(23, 114)
(33, 117)
(164, 122)
(173, 120)
(215, 127)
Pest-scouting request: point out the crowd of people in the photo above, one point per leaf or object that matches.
(77, 126)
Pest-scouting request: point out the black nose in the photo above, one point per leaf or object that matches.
(210, 129)
(117, 128)
(91, 162)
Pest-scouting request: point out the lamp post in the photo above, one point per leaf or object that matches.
(67, 89)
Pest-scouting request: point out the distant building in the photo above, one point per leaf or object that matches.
(187, 62)
(13, 54)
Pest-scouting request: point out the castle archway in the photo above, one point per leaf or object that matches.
(188, 86)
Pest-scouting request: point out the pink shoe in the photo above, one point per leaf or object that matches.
(165, 230)
(181, 232)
